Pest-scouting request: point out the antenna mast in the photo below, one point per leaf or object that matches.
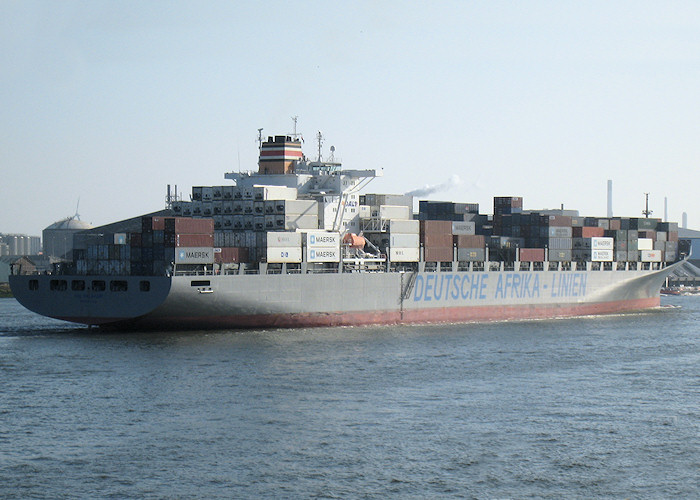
(646, 212)
(260, 139)
(319, 138)
(295, 134)
(77, 215)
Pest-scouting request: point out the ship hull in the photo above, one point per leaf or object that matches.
(344, 299)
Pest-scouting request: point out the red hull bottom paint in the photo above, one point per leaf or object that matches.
(422, 316)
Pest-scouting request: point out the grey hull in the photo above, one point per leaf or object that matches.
(290, 300)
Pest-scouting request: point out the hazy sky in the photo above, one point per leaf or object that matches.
(111, 101)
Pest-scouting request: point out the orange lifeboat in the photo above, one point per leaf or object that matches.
(354, 241)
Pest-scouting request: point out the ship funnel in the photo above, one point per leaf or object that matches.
(279, 155)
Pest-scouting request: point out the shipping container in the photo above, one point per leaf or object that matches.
(588, 232)
(230, 255)
(470, 241)
(283, 239)
(283, 255)
(394, 212)
(194, 255)
(471, 254)
(651, 255)
(645, 244)
(620, 256)
(322, 239)
(437, 240)
(531, 254)
(560, 232)
(404, 226)
(560, 243)
(293, 222)
(194, 240)
(559, 221)
(322, 254)
(560, 255)
(186, 225)
(435, 227)
(261, 192)
(404, 240)
(404, 254)
(599, 255)
(296, 207)
(644, 224)
(438, 254)
(602, 243)
(463, 228)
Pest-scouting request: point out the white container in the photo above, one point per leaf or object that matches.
(365, 211)
(396, 212)
(468, 228)
(299, 207)
(283, 239)
(602, 255)
(601, 243)
(262, 192)
(404, 226)
(194, 255)
(397, 254)
(650, 255)
(120, 238)
(278, 255)
(645, 244)
(404, 240)
(294, 222)
(322, 239)
(322, 254)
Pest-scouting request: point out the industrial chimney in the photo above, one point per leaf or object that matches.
(610, 211)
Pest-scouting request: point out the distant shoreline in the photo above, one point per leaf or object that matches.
(5, 292)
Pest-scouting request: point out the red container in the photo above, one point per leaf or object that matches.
(187, 225)
(158, 223)
(435, 227)
(532, 254)
(615, 224)
(135, 239)
(648, 234)
(559, 221)
(470, 241)
(672, 236)
(231, 255)
(438, 254)
(194, 240)
(437, 239)
(588, 232)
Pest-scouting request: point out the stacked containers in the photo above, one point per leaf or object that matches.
(471, 247)
(322, 246)
(445, 210)
(436, 238)
(404, 241)
(283, 247)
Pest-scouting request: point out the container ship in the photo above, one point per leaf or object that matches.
(296, 244)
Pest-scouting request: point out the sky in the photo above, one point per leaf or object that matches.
(107, 102)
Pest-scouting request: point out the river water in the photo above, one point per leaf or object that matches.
(602, 407)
